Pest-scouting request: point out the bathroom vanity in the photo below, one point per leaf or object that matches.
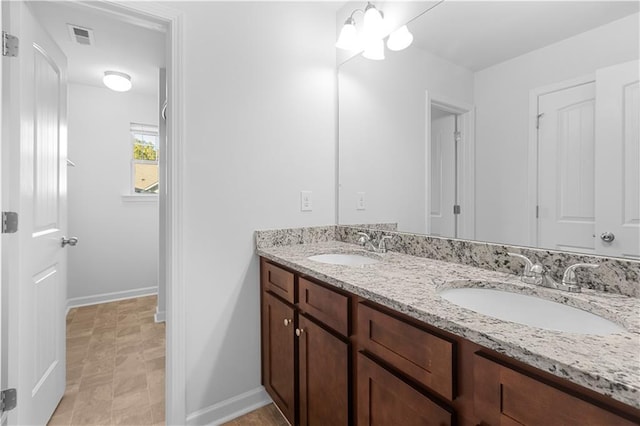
(376, 344)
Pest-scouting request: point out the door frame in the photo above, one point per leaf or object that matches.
(466, 178)
(173, 20)
(533, 153)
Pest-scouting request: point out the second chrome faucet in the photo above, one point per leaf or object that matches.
(369, 244)
(538, 275)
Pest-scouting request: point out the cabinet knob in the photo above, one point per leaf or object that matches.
(287, 322)
(299, 332)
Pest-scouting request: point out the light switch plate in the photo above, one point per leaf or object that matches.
(306, 203)
(360, 205)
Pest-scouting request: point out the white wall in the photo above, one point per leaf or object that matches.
(260, 127)
(382, 133)
(501, 96)
(118, 248)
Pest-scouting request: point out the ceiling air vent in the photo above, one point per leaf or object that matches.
(80, 35)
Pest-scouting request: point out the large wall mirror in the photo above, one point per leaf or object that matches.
(508, 122)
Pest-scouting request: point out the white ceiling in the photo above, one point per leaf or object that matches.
(119, 46)
(478, 34)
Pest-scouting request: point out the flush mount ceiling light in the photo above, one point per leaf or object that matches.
(118, 81)
(371, 37)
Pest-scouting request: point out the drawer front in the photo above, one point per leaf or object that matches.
(278, 281)
(384, 399)
(325, 305)
(419, 354)
(503, 396)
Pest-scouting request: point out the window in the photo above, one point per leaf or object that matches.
(145, 150)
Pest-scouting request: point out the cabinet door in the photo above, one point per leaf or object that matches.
(324, 376)
(385, 399)
(278, 358)
(503, 396)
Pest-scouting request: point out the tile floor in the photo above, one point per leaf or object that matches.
(265, 416)
(115, 365)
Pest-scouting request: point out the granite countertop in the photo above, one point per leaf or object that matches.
(609, 364)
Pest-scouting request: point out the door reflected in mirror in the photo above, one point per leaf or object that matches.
(508, 122)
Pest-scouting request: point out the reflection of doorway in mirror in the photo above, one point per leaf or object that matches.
(443, 173)
(449, 168)
(588, 174)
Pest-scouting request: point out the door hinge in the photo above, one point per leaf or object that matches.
(10, 44)
(9, 222)
(456, 209)
(8, 400)
(538, 117)
(457, 136)
(537, 212)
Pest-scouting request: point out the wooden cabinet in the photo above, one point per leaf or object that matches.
(504, 396)
(305, 348)
(333, 358)
(386, 399)
(417, 353)
(278, 354)
(324, 376)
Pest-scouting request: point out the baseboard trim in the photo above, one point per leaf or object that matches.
(160, 316)
(110, 297)
(231, 408)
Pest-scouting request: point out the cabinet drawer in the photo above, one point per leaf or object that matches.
(325, 305)
(384, 399)
(503, 396)
(419, 354)
(278, 281)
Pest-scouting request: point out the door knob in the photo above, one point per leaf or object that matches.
(70, 241)
(287, 322)
(299, 332)
(607, 237)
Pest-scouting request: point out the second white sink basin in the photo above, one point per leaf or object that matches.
(349, 259)
(530, 310)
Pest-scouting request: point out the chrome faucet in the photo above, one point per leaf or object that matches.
(538, 275)
(528, 275)
(369, 244)
(569, 278)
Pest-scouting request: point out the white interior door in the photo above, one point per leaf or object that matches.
(618, 159)
(38, 84)
(442, 173)
(566, 161)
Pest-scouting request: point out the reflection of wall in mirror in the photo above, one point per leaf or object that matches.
(382, 133)
(501, 97)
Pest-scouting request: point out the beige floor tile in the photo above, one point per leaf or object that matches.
(96, 413)
(74, 373)
(126, 330)
(89, 395)
(132, 416)
(150, 354)
(127, 318)
(66, 404)
(129, 364)
(91, 381)
(156, 364)
(124, 347)
(100, 366)
(158, 412)
(129, 383)
(60, 419)
(132, 399)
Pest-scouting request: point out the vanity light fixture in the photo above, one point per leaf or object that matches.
(371, 37)
(374, 50)
(117, 81)
(373, 29)
(400, 39)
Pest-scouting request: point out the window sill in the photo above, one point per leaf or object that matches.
(140, 198)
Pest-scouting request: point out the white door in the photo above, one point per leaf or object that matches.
(618, 160)
(442, 173)
(39, 94)
(566, 143)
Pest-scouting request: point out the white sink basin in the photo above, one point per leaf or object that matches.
(529, 310)
(349, 259)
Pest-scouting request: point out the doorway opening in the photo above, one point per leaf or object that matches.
(449, 168)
